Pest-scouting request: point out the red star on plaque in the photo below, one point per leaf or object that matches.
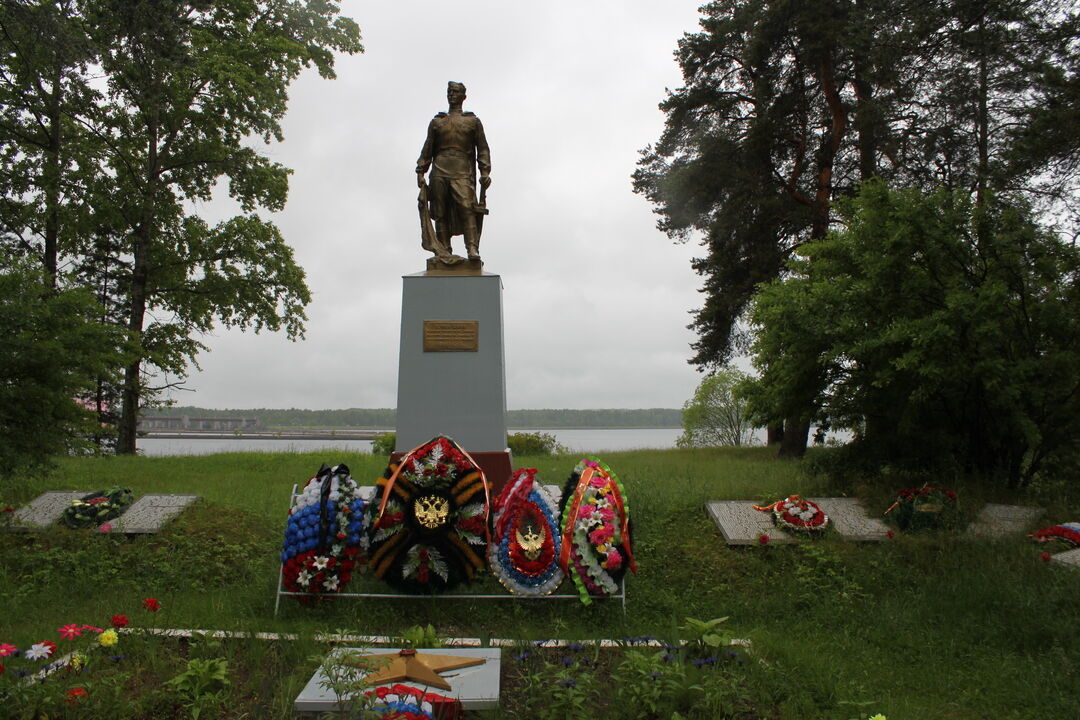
(407, 665)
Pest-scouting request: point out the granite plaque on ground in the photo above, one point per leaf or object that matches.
(741, 524)
(45, 509)
(476, 687)
(149, 513)
(998, 520)
(849, 518)
(1070, 558)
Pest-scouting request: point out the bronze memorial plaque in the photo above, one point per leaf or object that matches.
(451, 335)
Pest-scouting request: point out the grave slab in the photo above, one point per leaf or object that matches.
(476, 687)
(1069, 557)
(998, 520)
(741, 524)
(45, 509)
(850, 519)
(149, 513)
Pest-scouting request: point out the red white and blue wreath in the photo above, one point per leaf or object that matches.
(324, 537)
(1068, 533)
(596, 549)
(403, 702)
(795, 513)
(428, 521)
(524, 553)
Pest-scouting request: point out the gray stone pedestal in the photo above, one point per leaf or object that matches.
(451, 377)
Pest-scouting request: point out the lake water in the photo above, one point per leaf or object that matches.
(590, 440)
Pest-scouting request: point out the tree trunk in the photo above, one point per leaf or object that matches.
(796, 433)
(774, 434)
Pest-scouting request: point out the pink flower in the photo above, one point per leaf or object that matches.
(69, 632)
(601, 535)
(607, 513)
(151, 604)
(6, 649)
(614, 559)
(587, 510)
(763, 539)
(598, 481)
(105, 527)
(91, 627)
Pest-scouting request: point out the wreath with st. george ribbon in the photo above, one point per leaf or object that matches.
(428, 521)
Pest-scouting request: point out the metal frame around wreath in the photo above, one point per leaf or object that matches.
(621, 595)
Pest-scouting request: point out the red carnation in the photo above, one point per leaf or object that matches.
(75, 694)
(119, 621)
(151, 604)
(890, 534)
(1045, 557)
(763, 539)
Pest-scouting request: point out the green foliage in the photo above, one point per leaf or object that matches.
(944, 335)
(384, 443)
(420, 636)
(704, 636)
(533, 443)
(51, 351)
(343, 674)
(716, 415)
(203, 684)
(147, 108)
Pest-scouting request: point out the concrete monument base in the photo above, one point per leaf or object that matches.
(451, 373)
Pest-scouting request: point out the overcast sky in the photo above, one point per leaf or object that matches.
(596, 300)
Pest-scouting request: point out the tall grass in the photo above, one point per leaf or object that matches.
(941, 625)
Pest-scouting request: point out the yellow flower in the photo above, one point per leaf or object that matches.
(879, 716)
(109, 638)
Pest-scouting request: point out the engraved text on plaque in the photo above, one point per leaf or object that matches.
(451, 335)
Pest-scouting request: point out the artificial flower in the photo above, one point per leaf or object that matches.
(320, 563)
(151, 604)
(303, 577)
(890, 534)
(8, 508)
(77, 661)
(1045, 556)
(75, 694)
(331, 583)
(6, 649)
(69, 632)
(40, 651)
(763, 539)
(107, 638)
(119, 621)
(91, 627)
(105, 527)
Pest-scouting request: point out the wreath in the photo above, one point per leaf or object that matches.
(596, 549)
(1068, 533)
(428, 521)
(98, 507)
(525, 549)
(924, 508)
(795, 513)
(404, 702)
(324, 538)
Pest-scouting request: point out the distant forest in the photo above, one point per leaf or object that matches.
(384, 418)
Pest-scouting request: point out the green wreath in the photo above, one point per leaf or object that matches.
(98, 507)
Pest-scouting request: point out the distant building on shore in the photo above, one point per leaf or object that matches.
(184, 423)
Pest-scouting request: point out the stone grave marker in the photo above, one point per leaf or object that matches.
(45, 509)
(149, 513)
(998, 520)
(477, 687)
(741, 524)
(849, 518)
(1069, 557)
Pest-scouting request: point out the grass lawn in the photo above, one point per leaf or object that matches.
(937, 625)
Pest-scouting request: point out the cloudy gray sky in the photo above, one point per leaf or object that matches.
(595, 301)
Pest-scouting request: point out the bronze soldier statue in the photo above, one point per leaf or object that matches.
(454, 149)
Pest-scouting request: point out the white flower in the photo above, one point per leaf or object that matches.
(320, 563)
(336, 549)
(335, 496)
(330, 583)
(303, 578)
(39, 651)
(806, 514)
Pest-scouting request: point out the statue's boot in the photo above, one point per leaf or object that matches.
(472, 239)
